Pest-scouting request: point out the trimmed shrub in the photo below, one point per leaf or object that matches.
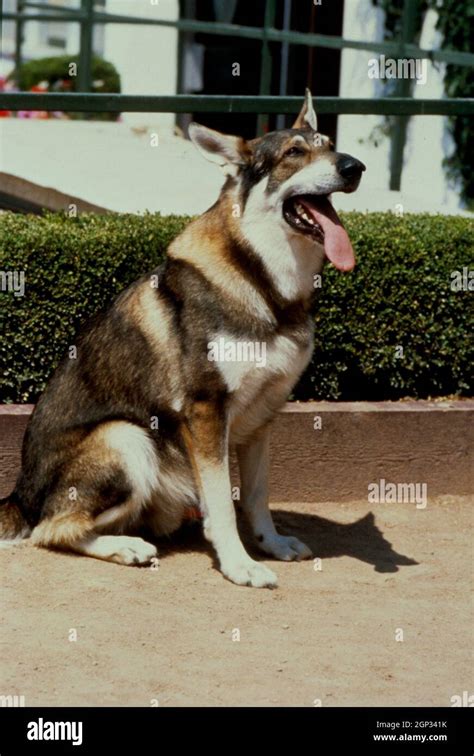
(394, 327)
(55, 71)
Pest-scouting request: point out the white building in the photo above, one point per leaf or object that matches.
(147, 59)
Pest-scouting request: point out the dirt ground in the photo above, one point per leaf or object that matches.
(170, 635)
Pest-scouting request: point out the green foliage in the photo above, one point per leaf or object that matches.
(398, 296)
(55, 71)
(456, 24)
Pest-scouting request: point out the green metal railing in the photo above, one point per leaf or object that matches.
(401, 105)
(84, 17)
(119, 103)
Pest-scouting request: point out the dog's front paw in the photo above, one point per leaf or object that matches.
(285, 548)
(249, 572)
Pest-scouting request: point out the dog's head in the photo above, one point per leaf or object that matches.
(292, 172)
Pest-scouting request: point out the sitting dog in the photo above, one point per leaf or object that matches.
(194, 358)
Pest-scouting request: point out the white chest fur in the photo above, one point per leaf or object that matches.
(259, 377)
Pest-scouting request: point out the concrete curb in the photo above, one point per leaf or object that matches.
(324, 451)
(34, 198)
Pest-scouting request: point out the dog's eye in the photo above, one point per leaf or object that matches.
(293, 151)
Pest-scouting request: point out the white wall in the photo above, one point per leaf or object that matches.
(429, 140)
(145, 56)
(424, 184)
(36, 33)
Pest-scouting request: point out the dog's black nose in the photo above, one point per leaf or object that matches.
(349, 167)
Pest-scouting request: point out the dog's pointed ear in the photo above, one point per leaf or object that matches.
(307, 115)
(223, 149)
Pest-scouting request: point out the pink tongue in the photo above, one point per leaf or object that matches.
(337, 245)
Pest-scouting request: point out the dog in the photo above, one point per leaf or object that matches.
(193, 359)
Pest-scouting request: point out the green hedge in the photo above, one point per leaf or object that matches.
(392, 328)
(55, 71)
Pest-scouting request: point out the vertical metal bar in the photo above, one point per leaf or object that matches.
(403, 89)
(311, 49)
(185, 40)
(84, 78)
(266, 69)
(19, 37)
(285, 50)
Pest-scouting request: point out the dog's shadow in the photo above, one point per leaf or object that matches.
(327, 539)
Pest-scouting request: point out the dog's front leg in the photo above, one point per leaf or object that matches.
(206, 437)
(254, 473)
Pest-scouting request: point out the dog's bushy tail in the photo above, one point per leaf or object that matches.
(13, 526)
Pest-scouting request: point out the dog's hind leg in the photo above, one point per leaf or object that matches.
(77, 532)
(120, 549)
(102, 495)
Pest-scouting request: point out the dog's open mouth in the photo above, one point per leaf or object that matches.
(314, 215)
(296, 214)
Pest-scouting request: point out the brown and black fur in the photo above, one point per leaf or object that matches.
(146, 358)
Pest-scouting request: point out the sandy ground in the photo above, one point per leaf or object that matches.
(170, 635)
